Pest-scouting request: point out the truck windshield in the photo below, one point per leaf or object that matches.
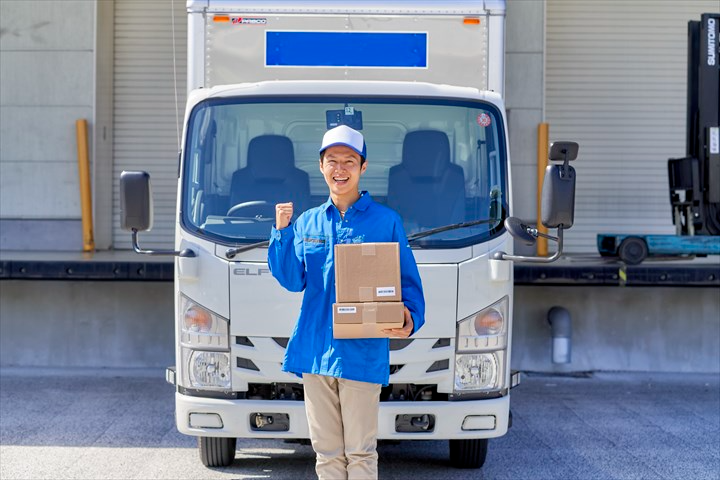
(435, 161)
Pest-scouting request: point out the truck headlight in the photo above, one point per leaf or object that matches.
(484, 330)
(205, 347)
(200, 327)
(479, 371)
(209, 370)
(481, 349)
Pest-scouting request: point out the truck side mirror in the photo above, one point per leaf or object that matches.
(558, 205)
(136, 210)
(519, 231)
(558, 195)
(135, 201)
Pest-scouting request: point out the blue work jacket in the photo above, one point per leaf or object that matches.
(301, 257)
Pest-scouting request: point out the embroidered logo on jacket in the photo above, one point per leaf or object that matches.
(313, 240)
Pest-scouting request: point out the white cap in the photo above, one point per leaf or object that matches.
(344, 135)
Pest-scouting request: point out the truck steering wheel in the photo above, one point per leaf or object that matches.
(255, 203)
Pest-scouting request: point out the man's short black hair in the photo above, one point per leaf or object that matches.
(322, 154)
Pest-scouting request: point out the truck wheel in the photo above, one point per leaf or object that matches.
(217, 451)
(468, 453)
(633, 250)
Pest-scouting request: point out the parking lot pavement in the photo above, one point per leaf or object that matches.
(118, 424)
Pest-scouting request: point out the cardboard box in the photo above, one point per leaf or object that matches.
(367, 272)
(366, 320)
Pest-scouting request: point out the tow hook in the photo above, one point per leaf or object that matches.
(263, 420)
(422, 421)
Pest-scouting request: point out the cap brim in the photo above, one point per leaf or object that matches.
(342, 144)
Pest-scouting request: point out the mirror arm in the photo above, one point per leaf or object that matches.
(183, 253)
(536, 233)
(521, 258)
(566, 166)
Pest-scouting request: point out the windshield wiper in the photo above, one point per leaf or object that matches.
(231, 252)
(453, 226)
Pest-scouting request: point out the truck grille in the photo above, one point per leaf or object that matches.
(419, 361)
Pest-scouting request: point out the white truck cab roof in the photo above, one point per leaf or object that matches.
(344, 87)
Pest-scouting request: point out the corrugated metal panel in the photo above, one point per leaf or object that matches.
(145, 135)
(616, 84)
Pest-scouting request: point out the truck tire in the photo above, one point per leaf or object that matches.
(217, 451)
(468, 453)
(633, 250)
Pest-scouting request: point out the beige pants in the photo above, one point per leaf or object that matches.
(342, 415)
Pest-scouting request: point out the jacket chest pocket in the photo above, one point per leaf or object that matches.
(316, 255)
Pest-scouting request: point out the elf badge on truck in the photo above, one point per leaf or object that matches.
(423, 81)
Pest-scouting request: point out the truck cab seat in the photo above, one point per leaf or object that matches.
(425, 188)
(270, 176)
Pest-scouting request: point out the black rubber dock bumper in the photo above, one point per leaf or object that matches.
(599, 273)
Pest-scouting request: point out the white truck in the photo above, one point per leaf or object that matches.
(423, 81)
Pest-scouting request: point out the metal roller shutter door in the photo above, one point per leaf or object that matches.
(616, 84)
(145, 127)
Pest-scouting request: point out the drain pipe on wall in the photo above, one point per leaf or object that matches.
(85, 192)
(561, 325)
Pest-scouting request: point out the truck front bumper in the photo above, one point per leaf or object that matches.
(209, 417)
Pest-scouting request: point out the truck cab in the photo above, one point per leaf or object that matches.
(423, 82)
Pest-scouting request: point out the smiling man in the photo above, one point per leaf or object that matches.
(342, 377)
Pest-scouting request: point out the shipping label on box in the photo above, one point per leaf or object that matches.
(366, 320)
(367, 272)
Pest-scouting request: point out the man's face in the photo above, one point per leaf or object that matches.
(341, 168)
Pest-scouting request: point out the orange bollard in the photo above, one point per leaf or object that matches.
(543, 150)
(85, 192)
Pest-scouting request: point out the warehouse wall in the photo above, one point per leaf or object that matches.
(86, 324)
(671, 329)
(130, 324)
(524, 97)
(47, 63)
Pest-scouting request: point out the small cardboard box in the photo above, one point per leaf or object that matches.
(367, 272)
(366, 320)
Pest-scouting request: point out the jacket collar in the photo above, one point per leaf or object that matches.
(361, 204)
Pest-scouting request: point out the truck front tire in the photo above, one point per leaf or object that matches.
(468, 453)
(217, 451)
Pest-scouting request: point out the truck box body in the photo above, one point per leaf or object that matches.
(423, 82)
(437, 42)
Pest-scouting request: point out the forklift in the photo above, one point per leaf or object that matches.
(694, 180)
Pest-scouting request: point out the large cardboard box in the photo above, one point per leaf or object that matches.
(367, 272)
(366, 320)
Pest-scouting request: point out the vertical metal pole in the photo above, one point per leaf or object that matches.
(542, 162)
(85, 192)
(690, 221)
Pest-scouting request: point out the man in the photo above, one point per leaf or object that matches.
(342, 377)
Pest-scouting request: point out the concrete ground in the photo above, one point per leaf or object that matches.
(118, 424)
